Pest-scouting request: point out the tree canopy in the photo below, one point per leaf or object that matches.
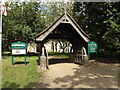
(25, 20)
(100, 21)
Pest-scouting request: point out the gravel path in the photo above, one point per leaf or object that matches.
(70, 75)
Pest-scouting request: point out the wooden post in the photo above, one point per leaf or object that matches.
(88, 55)
(25, 60)
(12, 60)
(42, 57)
(40, 50)
(47, 61)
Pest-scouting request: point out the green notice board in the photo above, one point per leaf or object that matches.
(92, 48)
(18, 47)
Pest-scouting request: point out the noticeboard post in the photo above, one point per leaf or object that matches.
(18, 48)
(92, 48)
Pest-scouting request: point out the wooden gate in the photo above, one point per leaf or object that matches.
(79, 56)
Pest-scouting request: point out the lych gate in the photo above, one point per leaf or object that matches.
(63, 28)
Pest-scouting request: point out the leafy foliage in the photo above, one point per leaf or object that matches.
(101, 22)
(26, 19)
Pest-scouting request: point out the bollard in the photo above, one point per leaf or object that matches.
(43, 58)
(43, 63)
(85, 58)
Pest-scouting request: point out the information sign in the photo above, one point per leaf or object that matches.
(92, 48)
(18, 47)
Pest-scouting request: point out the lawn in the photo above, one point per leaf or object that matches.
(59, 54)
(19, 75)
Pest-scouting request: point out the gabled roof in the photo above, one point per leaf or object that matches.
(64, 18)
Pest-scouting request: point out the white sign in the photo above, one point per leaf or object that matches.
(18, 51)
(18, 45)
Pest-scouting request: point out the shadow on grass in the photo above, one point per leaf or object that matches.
(21, 63)
(6, 54)
(28, 54)
(36, 85)
(57, 53)
(32, 54)
(14, 86)
(10, 85)
(57, 60)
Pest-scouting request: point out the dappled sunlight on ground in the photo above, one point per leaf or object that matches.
(70, 75)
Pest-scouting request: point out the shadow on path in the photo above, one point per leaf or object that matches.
(108, 60)
(104, 74)
(95, 76)
(99, 76)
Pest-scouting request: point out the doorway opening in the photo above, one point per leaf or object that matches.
(59, 51)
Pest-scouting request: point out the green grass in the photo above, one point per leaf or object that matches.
(19, 75)
(59, 54)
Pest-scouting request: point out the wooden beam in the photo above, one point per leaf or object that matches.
(40, 38)
(76, 28)
(65, 22)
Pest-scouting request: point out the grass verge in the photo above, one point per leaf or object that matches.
(59, 54)
(19, 75)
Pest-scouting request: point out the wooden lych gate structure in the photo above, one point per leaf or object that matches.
(64, 27)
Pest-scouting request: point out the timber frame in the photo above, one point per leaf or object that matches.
(64, 27)
(65, 19)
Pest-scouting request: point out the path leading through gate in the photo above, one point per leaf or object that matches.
(70, 75)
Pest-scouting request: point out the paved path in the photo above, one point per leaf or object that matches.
(69, 75)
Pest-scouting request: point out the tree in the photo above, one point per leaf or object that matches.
(20, 22)
(100, 21)
(26, 19)
(63, 44)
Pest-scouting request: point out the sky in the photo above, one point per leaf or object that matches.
(37, 0)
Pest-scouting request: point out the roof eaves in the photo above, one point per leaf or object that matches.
(77, 25)
(49, 26)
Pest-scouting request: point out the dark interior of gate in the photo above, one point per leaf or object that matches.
(63, 28)
(68, 32)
